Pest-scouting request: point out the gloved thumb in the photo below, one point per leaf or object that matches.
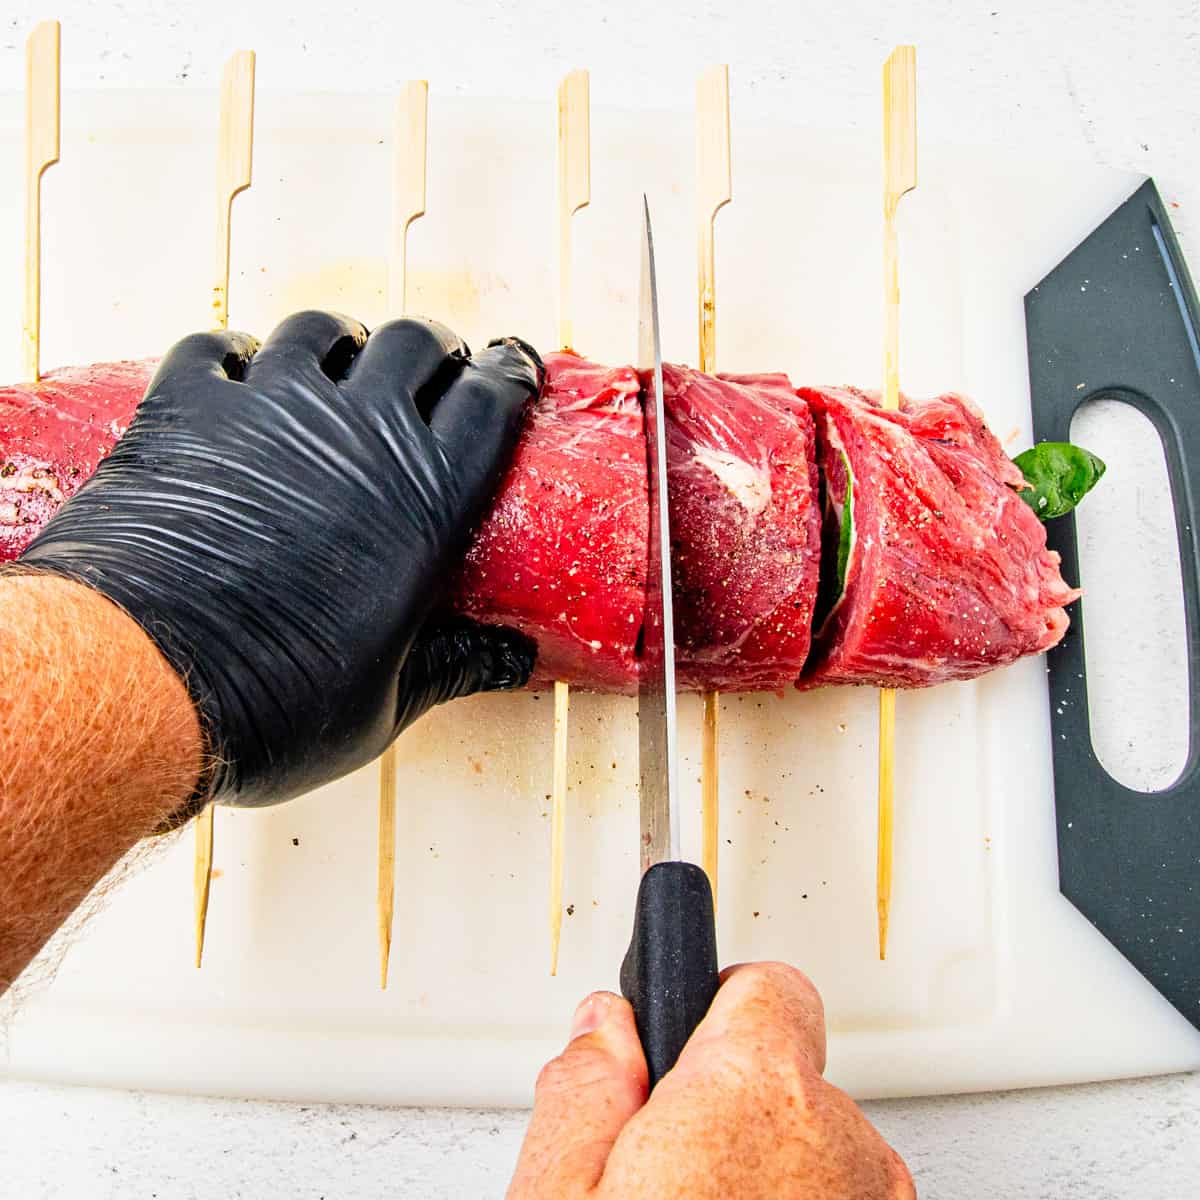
(582, 1101)
(456, 657)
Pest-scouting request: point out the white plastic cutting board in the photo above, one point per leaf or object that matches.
(993, 979)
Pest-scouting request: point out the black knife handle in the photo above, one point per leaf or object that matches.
(669, 975)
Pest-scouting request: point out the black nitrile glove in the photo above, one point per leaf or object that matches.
(280, 521)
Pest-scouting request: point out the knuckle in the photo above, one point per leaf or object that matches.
(780, 979)
(785, 1001)
(553, 1077)
(210, 347)
(306, 316)
(209, 342)
(420, 330)
(789, 1075)
(759, 1083)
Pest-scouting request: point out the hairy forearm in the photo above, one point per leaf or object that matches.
(99, 743)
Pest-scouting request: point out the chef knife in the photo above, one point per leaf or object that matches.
(669, 975)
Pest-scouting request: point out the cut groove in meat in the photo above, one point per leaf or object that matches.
(562, 556)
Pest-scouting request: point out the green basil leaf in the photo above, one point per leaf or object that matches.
(846, 533)
(1059, 476)
(837, 542)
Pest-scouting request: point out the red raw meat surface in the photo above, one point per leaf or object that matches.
(562, 555)
(53, 434)
(746, 528)
(948, 575)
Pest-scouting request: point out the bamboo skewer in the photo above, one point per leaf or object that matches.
(574, 193)
(42, 124)
(574, 183)
(558, 817)
(713, 191)
(385, 883)
(235, 151)
(409, 148)
(899, 178)
(409, 144)
(202, 876)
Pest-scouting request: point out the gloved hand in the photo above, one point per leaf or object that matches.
(279, 521)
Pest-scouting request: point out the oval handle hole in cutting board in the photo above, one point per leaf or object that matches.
(1134, 631)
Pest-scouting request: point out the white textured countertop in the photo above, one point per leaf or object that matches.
(1100, 1142)
(1118, 82)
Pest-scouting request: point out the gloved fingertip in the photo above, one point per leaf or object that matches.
(200, 354)
(246, 344)
(396, 329)
(240, 349)
(456, 658)
(507, 657)
(533, 356)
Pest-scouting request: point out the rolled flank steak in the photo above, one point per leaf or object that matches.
(898, 537)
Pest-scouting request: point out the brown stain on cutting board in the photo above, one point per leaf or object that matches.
(355, 286)
(451, 296)
(358, 287)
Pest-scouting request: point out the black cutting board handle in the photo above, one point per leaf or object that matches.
(1119, 315)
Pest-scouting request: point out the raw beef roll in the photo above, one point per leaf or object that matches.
(934, 568)
(929, 565)
(53, 435)
(562, 555)
(745, 528)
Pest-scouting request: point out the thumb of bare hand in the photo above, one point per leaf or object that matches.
(582, 1101)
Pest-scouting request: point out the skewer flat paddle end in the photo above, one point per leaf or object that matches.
(900, 122)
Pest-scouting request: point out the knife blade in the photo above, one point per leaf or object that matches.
(657, 724)
(669, 975)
